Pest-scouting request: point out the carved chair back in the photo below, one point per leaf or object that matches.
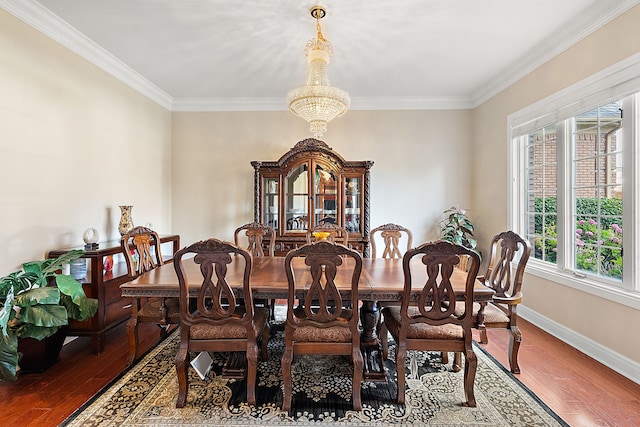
(216, 300)
(391, 235)
(323, 303)
(141, 249)
(434, 304)
(256, 234)
(337, 234)
(500, 275)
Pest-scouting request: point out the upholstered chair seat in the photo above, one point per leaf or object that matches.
(492, 314)
(153, 307)
(203, 331)
(392, 317)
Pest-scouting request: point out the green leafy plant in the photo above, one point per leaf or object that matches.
(34, 302)
(457, 228)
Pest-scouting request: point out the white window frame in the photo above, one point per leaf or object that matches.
(616, 82)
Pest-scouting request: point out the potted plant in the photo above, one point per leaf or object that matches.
(457, 228)
(35, 302)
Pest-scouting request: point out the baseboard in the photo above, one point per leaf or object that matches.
(619, 363)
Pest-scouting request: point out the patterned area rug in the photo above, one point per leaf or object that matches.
(146, 395)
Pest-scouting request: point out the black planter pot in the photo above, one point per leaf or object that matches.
(38, 356)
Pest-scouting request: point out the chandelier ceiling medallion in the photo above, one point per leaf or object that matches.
(318, 102)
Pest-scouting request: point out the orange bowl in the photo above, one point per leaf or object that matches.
(321, 235)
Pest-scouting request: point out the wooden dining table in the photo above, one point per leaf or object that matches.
(381, 280)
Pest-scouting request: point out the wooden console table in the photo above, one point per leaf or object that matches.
(113, 309)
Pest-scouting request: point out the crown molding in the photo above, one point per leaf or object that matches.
(229, 104)
(592, 19)
(412, 103)
(34, 14)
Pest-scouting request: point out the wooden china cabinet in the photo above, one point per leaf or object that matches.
(311, 184)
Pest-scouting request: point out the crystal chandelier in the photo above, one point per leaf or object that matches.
(318, 102)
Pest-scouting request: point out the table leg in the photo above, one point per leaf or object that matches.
(97, 342)
(369, 343)
(235, 366)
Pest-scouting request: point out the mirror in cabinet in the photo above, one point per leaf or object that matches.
(270, 201)
(352, 204)
(326, 195)
(296, 198)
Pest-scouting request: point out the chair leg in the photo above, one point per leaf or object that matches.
(266, 332)
(164, 331)
(444, 355)
(457, 362)
(470, 366)
(183, 378)
(252, 368)
(514, 346)
(484, 339)
(287, 359)
(164, 327)
(401, 360)
(358, 367)
(132, 335)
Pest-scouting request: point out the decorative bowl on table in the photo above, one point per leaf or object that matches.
(320, 235)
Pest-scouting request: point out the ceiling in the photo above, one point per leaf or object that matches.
(388, 54)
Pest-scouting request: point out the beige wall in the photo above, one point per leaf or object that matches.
(596, 319)
(69, 138)
(421, 164)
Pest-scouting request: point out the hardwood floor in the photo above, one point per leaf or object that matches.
(582, 391)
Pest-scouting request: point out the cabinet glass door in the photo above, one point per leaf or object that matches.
(326, 193)
(296, 199)
(353, 197)
(270, 202)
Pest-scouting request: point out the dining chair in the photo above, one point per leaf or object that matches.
(141, 249)
(219, 322)
(426, 321)
(256, 235)
(324, 323)
(337, 234)
(391, 234)
(505, 279)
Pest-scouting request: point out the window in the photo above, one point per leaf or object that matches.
(589, 147)
(597, 191)
(541, 189)
(573, 156)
